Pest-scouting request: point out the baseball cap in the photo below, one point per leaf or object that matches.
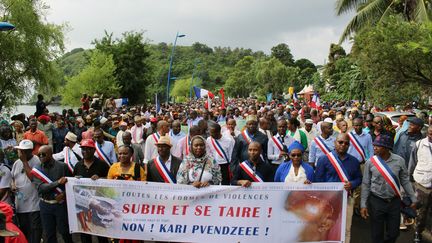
(25, 144)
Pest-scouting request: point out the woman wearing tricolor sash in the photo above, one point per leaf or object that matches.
(295, 170)
(383, 176)
(199, 169)
(254, 169)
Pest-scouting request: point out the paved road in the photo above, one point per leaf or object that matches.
(361, 232)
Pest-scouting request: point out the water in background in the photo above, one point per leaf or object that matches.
(30, 110)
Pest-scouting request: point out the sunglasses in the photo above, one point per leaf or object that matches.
(295, 155)
(344, 143)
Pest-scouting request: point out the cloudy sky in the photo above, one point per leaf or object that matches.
(307, 26)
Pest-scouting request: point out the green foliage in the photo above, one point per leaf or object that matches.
(371, 12)
(242, 81)
(182, 88)
(96, 78)
(131, 56)
(283, 53)
(27, 54)
(74, 61)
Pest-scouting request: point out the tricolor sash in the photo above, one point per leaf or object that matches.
(278, 143)
(41, 176)
(102, 155)
(337, 165)
(163, 171)
(386, 172)
(250, 172)
(67, 160)
(219, 149)
(187, 145)
(246, 137)
(320, 142)
(156, 137)
(357, 145)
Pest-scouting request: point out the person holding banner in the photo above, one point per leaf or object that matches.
(384, 174)
(295, 170)
(253, 169)
(339, 166)
(164, 167)
(277, 150)
(199, 169)
(26, 194)
(126, 169)
(220, 147)
(49, 179)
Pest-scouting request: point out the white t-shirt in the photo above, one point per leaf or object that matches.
(5, 182)
(27, 198)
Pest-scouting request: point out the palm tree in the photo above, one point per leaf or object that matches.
(370, 12)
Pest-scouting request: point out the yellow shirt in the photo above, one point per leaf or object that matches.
(116, 170)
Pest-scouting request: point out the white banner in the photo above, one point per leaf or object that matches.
(265, 212)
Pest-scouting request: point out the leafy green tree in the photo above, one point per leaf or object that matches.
(241, 81)
(182, 88)
(96, 78)
(27, 54)
(274, 77)
(131, 56)
(371, 12)
(283, 53)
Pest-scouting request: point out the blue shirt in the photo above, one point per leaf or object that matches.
(283, 170)
(325, 172)
(365, 140)
(315, 152)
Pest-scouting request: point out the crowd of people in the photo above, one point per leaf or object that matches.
(238, 143)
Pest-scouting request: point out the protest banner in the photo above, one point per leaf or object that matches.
(265, 212)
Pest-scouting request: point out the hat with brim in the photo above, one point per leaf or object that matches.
(71, 137)
(164, 140)
(416, 121)
(383, 141)
(25, 144)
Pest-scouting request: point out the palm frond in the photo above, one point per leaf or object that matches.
(369, 13)
(344, 6)
(420, 12)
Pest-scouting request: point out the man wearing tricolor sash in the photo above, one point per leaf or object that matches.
(277, 150)
(384, 175)
(249, 135)
(71, 153)
(138, 132)
(360, 142)
(220, 147)
(150, 146)
(254, 169)
(49, 179)
(322, 144)
(339, 166)
(104, 149)
(164, 167)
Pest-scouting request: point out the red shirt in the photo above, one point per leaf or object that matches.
(38, 138)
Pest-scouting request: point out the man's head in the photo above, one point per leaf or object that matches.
(343, 126)
(45, 153)
(294, 114)
(293, 124)
(264, 123)
(70, 139)
(358, 125)
(280, 110)
(429, 134)
(193, 114)
(254, 151)
(176, 127)
(327, 128)
(194, 131)
(308, 125)
(231, 124)
(88, 148)
(25, 147)
(163, 127)
(98, 136)
(378, 123)
(127, 138)
(215, 130)
(164, 146)
(252, 126)
(202, 124)
(342, 143)
(382, 145)
(33, 124)
(415, 125)
(40, 97)
(282, 126)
